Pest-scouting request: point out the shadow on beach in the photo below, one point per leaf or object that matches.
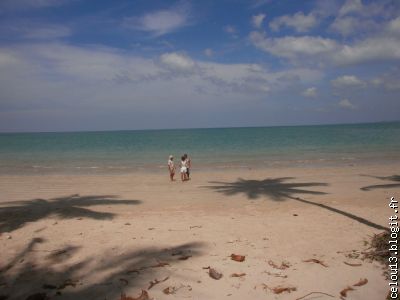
(277, 189)
(394, 178)
(14, 215)
(102, 276)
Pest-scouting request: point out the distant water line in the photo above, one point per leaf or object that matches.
(211, 149)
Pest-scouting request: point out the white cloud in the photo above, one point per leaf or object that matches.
(393, 27)
(310, 92)
(347, 81)
(292, 47)
(208, 52)
(351, 6)
(390, 81)
(374, 49)
(345, 103)
(346, 25)
(160, 22)
(177, 61)
(231, 30)
(257, 20)
(317, 50)
(299, 22)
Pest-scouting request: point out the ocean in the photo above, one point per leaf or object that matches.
(210, 149)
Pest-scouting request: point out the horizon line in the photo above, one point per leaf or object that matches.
(200, 128)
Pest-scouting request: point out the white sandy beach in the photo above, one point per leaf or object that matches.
(95, 237)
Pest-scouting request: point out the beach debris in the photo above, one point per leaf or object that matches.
(317, 261)
(237, 257)
(361, 282)
(156, 281)
(214, 274)
(284, 265)
(352, 264)
(169, 290)
(279, 289)
(37, 296)
(315, 293)
(180, 252)
(295, 215)
(380, 252)
(143, 296)
(8, 237)
(195, 226)
(238, 274)
(127, 223)
(276, 274)
(184, 257)
(172, 289)
(151, 228)
(343, 292)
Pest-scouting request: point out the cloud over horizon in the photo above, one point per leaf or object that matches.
(141, 66)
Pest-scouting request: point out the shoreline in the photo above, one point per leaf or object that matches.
(200, 167)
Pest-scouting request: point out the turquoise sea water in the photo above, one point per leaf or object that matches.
(213, 149)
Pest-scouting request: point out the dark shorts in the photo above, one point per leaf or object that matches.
(187, 171)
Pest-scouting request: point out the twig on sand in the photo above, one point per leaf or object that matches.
(317, 261)
(156, 281)
(315, 293)
(343, 292)
(351, 264)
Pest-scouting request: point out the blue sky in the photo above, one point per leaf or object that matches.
(68, 65)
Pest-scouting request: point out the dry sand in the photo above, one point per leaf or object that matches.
(95, 237)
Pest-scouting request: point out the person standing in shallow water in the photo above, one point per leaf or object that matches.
(188, 165)
(183, 168)
(171, 167)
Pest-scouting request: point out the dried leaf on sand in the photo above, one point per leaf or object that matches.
(156, 281)
(169, 290)
(343, 292)
(214, 274)
(284, 265)
(317, 261)
(361, 282)
(143, 296)
(279, 289)
(238, 274)
(237, 257)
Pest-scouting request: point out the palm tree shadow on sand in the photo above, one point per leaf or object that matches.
(14, 215)
(394, 178)
(277, 189)
(63, 274)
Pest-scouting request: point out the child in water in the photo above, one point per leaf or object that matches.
(171, 167)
